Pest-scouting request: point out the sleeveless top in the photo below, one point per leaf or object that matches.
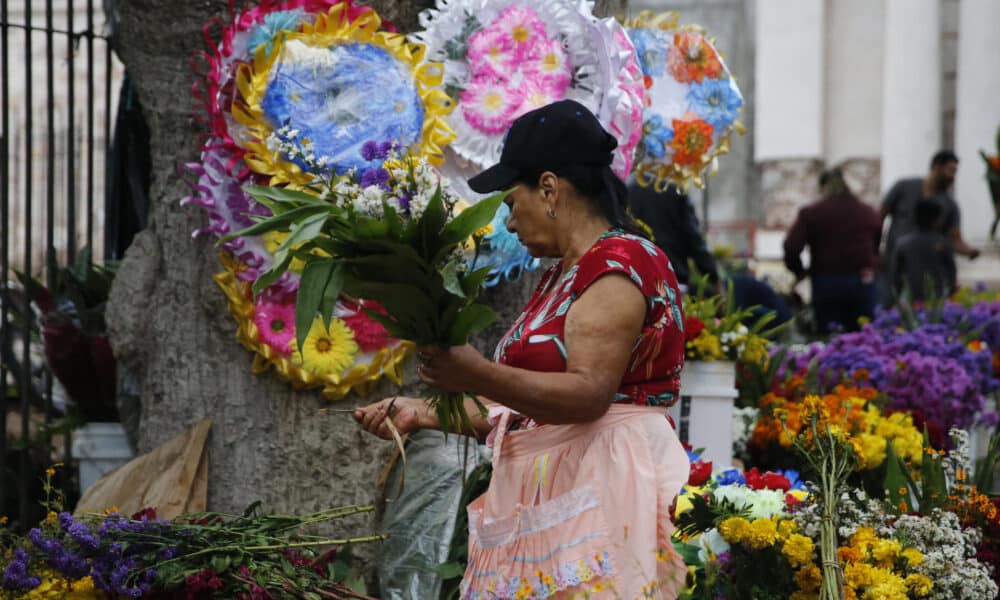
(652, 376)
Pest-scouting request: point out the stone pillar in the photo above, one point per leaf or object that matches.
(788, 112)
(911, 92)
(853, 93)
(977, 112)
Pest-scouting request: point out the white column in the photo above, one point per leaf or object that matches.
(853, 98)
(978, 111)
(788, 86)
(911, 92)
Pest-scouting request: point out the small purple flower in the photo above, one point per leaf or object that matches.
(377, 176)
(385, 148)
(16, 576)
(370, 150)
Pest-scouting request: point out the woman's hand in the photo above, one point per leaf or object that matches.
(407, 414)
(454, 369)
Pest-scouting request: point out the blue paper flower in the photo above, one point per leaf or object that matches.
(359, 93)
(652, 51)
(274, 23)
(716, 101)
(656, 136)
(508, 257)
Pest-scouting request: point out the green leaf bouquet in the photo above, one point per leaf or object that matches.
(393, 234)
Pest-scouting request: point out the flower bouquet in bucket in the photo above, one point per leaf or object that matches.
(392, 233)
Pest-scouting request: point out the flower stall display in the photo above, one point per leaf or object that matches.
(502, 59)
(993, 181)
(717, 342)
(692, 101)
(290, 90)
(248, 556)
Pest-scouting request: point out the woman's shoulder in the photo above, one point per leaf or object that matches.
(638, 258)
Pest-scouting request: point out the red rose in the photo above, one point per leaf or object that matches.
(693, 326)
(776, 481)
(700, 472)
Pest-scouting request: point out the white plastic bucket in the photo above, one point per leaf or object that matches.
(704, 413)
(99, 448)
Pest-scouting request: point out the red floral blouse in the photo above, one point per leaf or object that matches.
(652, 377)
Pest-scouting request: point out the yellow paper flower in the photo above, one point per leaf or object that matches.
(328, 350)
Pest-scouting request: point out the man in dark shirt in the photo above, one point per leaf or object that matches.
(843, 235)
(923, 264)
(901, 201)
(671, 217)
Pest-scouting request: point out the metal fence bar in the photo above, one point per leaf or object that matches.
(5, 225)
(50, 150)
(90, 125)
(71, 137)
(23, 500)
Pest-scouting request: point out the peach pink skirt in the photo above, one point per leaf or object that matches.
(580, 510)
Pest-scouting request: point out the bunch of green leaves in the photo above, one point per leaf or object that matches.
(719, 313)
(414, 268)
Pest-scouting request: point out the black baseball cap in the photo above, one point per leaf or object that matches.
(556, 135)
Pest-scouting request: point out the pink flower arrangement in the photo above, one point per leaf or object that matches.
(369, 334)
(490, 105)
(275, 323)
(515, 68)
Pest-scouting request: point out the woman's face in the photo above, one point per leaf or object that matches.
(529, 219)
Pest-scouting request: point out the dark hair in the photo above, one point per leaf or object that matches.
(605, 191)
(943, 157)
(926, 213)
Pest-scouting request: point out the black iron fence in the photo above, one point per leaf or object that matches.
(57, 73)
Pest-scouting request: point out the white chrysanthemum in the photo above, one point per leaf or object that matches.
(712, 543)
(737, 495)
(766, 503)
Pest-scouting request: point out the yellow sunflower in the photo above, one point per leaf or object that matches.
(328, 351)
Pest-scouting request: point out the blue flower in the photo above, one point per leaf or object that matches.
(730, 477)
(504, 252)
(274, 23)
(652, 51)
(716, 101)
(656, 136)
(16, 577)
(376, 176)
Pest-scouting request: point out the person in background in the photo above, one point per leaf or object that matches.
(843, 235)
(901, 201)
(674, 226)
(922, 266)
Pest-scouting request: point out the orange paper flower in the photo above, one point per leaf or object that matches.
(692, 59)
(691, 140)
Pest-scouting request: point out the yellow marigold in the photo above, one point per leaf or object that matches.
(919, 585)
(762, 534)
(809, 578)
(848, 554)
(734, 529)
(885, 552)
(798, 549)
(859, 575)
(870, 450)
(863, 538)
(913, 556)
(786, 527)
(706, 346)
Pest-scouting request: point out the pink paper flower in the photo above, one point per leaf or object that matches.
(521, 26)
(369, 334)
(490, 105)
(276, 323)
(491, 53)
(548, 65)
(537, 94)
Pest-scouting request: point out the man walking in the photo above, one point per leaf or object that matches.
(901, 203)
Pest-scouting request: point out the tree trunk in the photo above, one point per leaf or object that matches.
(172, 333)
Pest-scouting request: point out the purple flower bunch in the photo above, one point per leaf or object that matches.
(77, 549)
(16, 577)
(940, 388)
(372, 150)
(375, 151)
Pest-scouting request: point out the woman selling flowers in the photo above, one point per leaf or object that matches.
(585, 464)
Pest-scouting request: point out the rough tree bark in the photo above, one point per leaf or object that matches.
(173, 336)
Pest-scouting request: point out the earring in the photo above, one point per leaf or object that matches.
(550, 212)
